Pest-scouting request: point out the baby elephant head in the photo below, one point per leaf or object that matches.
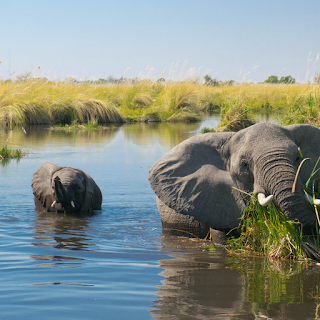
(65, 189)
(68, 189)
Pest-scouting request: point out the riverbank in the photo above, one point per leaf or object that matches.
(44, 102)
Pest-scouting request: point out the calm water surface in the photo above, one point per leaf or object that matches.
(117, 264)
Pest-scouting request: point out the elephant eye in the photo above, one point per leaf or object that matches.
(243, 167)
(244, 164)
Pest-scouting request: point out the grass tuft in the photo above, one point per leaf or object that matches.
(234, 117)
(267, 231)
(206, 130)
(7, 153)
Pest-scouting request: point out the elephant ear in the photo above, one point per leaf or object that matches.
(192, 180)
(306, 137)
(41, 183)
(93, 196)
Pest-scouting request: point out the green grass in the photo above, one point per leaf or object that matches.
(266, 231)
(7, 153)
(74, 126)
(38, 101)
(206, 130)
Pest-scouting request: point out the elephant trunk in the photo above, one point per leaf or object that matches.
(60, 191)
(277, 174)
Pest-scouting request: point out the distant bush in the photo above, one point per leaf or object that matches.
(272, 79)
(208, 81)
(287, 80)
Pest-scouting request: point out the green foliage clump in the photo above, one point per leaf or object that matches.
(267, 231)
(287, 80)
(304, 109)
(7, 153)
(272, 79)
(206, 130)
(210, 82)
(234, 118)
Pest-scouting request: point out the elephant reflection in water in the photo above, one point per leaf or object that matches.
(60, 231)
(213, 285)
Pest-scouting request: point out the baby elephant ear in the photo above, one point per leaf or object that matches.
(93, 196)
(42, 182)
(192, 180)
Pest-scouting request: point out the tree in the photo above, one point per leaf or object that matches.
(287, 79)
(210, 82)
(272, 79)
(317, 78)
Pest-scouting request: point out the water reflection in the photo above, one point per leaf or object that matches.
(167, 134)
(200, 284)
(142, 134)
(61, 231)
(38, 136)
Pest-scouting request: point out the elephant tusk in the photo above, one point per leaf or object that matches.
(72, 203)
(310, 199)
(263, 200)
(53, 203)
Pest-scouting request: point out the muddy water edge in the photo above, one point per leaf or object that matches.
(116, 263)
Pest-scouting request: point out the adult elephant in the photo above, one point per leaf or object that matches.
(197, 182)
(65, 189)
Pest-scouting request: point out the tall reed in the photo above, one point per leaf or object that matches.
(39, 101)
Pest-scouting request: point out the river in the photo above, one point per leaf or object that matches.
(117, 263)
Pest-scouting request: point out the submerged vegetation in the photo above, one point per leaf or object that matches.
(40, 101)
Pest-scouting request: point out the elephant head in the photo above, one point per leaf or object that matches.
(65, 189)
(201, 177)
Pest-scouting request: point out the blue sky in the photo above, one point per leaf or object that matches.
(97, 39)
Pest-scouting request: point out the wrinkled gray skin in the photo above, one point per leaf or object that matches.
(195, 181)
(56, 187)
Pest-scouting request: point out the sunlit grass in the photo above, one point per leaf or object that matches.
(38, 101)
(267, 231)
(81, 126)
(7, 153)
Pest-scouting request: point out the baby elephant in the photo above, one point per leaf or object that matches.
(65, 189)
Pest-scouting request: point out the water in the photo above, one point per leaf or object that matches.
(117, 264)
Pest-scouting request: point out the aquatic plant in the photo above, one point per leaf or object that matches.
(234, 117)
(206, 130)
(267, 231)
(75, 125)
(7, 153)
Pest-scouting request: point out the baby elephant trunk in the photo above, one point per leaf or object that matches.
(60, 191)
